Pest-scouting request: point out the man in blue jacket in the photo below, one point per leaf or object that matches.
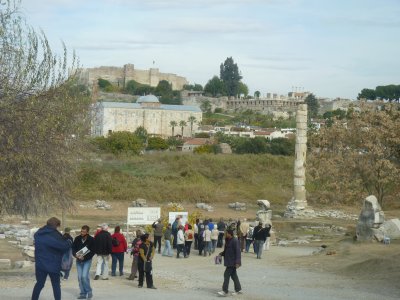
(50, 247)
(232, 261)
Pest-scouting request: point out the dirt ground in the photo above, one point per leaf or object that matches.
(343, 270)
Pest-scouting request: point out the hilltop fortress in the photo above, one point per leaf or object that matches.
(120, 76)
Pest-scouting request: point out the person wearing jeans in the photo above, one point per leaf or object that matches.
(50, 247)
(259, 236)
(167, 239)
(83, 262)
(232, 261)
(118, 251)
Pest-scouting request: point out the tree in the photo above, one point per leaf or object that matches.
(205, 106)
(243, 89)
(312, 105)
(182, 125)
(122, 142)
(191, 87)
(103, 83)
(257, 94)
(157, 143)
(215, 87)
(192, 120)
(230, 76)
(173, 124)
(367, 94)
(166, 94)
(366, 146)
(44, 117)
(142, 134)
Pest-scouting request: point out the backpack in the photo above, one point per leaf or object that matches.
(250, 233)
(190, 236)
(67, 260)
(115, 242)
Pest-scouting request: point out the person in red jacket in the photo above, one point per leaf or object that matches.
(119, 247)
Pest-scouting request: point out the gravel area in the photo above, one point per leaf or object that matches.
(199, 278)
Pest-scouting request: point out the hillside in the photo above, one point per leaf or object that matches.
(190, 178)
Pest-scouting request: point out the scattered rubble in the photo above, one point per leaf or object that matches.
(238, 206)
(99, 204)
(139, 202)
(205, 206)
(176, 206)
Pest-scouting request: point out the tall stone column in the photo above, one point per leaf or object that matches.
(297, 206)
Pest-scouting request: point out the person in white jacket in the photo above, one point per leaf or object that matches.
(207, 241)
(180, 243)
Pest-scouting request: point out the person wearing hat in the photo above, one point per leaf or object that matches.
(103, 248)
(232, 261)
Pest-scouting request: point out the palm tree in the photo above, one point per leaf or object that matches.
(182, 124)
(173, 124)
(191, 120)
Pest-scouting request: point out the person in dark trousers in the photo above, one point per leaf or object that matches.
(146, 253)
(103, 248)
(196, 235)
(221, 228)
(175, 226)
(200, 239)
(232, 261)
(50, 247)
(84, 262)
(68, 237)
(158, 232)
(118, 251)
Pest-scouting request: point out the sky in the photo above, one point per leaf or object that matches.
(332, 48)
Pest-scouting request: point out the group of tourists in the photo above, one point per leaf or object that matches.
(54, 253)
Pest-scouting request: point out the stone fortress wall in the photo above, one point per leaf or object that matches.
(121, 75)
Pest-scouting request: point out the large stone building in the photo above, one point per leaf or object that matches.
(147, 112)
(275, 104)
(120, 76)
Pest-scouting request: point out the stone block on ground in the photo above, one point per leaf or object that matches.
(22, 264)
(5, 263)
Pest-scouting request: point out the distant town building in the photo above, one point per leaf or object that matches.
(119, 76)
(277, 105)
(147, 112)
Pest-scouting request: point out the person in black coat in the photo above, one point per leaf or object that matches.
(232, 261)
(102, 247)
(260, 235)
(83, 262)
(50, 247)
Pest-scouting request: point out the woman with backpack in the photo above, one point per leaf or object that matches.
(119, 247)
(189, 236)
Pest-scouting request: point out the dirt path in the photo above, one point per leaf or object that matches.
(198, 278)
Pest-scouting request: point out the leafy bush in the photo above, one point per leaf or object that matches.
(120, 142)
(157, 143)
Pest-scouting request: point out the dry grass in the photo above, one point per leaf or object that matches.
(188, 178)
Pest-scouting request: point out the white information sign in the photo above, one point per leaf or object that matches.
(173, 214)
(143, 215)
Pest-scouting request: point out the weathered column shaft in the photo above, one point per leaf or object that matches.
(299, 192)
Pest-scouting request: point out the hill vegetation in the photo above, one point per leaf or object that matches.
(165, 177)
